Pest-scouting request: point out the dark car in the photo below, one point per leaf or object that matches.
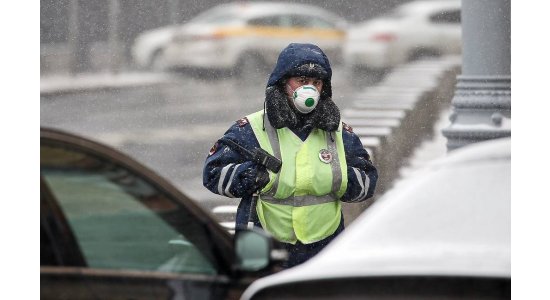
(110, 228)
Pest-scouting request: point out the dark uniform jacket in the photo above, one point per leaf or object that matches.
(237, 180)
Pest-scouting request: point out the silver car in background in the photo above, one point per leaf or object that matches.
(147, 49)
(410, 31)
(246, 37)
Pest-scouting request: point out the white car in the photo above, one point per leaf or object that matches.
(148, 46)
(412, 30)
(444, 233)
(247, 36)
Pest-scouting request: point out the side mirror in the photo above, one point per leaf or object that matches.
(254, 250)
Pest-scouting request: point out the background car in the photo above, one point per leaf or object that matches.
(147, 47)
(246, 37)
(410, 31)
(444, 233)
(112, 229)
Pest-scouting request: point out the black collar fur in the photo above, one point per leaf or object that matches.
(325, 116)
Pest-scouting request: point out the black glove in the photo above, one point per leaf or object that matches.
(253, 178)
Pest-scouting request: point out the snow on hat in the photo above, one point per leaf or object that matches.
(308, 70)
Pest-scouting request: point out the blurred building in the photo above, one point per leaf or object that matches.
(83, 36)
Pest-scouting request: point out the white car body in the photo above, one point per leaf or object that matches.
(452, 219)
(419, 28)
(147, 47)
(222, 37)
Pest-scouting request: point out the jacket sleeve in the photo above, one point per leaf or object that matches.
(362, 174)
(226, 171)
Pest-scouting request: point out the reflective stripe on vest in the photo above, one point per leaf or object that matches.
(300, 203)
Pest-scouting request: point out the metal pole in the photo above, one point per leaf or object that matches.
(73, 38)
(174, 11)
(114, 44)
(482, 101)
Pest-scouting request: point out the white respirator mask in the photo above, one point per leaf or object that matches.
(305, 98)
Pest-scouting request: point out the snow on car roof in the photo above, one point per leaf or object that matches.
(449, 219)
(256, 9)
(427, 6)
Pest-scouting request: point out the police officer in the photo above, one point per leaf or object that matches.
(323, 161)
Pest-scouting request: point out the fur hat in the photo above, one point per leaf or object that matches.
(308, 70)
(301, 60)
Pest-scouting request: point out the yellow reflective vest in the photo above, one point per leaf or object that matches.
(301, 202)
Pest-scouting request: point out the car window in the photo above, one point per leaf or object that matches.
(300, 21)
(307, 21)
(120, 220)
(265, 21)
(321, 23)
(446, 17)
(48, 255)
(58, 246)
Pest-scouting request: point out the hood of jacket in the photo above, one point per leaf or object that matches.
(325, 116)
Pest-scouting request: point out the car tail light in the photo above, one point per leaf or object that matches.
(383, 37)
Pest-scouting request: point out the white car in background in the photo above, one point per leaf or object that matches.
(410, 31)
(442, 233)
(245, 37)
(148, 46)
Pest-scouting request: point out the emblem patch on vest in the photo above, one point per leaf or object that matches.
(242, 122)
(325, 156)
(347, 127)
(213, 149)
